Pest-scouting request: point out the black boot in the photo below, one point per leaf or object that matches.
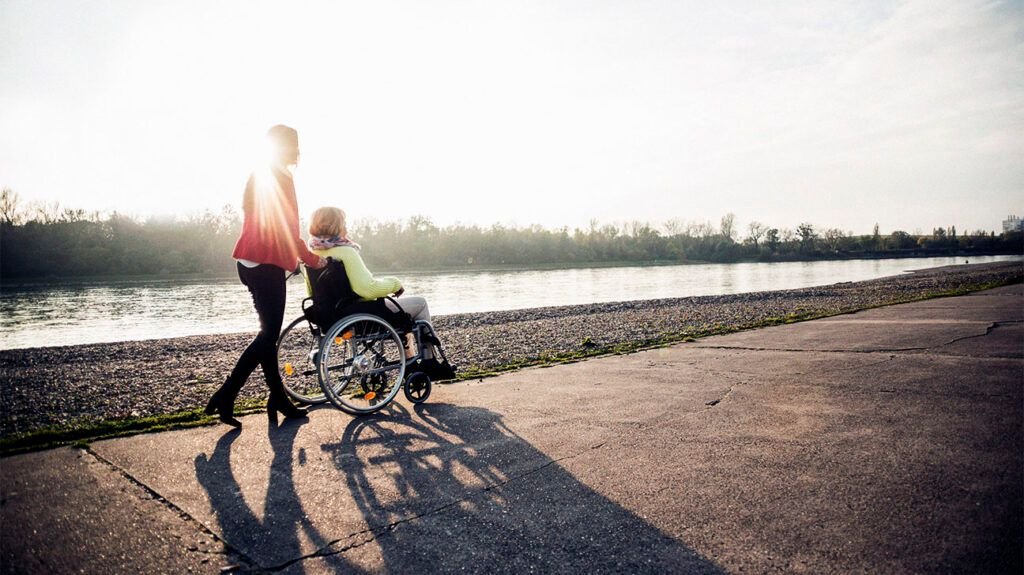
(223, 404)
(438, 370)
(279, 402)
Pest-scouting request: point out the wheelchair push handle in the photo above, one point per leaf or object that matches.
(298, 268)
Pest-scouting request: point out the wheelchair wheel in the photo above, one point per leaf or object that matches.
(298, 351)
(362, 364)
(417, 387)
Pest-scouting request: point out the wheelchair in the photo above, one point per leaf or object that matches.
(357, 362)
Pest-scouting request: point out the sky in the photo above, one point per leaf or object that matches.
(842, 114)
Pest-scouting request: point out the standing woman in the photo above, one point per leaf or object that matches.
(269, 246)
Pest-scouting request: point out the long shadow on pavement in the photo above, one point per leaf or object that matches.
(454, 489)
(284, 519)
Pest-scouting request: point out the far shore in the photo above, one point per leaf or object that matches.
(229, 273)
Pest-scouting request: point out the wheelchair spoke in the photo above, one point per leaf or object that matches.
(362, 367)
(382, 369)
(298, 358)
(342, 365)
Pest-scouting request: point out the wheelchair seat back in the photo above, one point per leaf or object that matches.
(331, 292)
(333, 298)
(330, 286)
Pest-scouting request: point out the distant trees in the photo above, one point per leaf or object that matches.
(9, 207)
(755, 231)
(46, 240)
(807, 238)
(833, 238)
(772, 239)
(900, 240)
(727, 227)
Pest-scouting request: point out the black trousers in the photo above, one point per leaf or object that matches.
(267, 286)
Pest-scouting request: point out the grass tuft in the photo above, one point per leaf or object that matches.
(81, 433)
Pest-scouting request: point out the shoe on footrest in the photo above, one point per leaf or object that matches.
(438, 370)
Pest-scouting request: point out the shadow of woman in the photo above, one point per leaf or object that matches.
(273, 541)
(452, 488)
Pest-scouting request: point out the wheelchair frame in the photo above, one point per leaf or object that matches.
(359, 362)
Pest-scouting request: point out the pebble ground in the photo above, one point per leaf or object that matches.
(51, 386)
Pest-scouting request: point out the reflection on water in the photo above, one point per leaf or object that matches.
(103, 312)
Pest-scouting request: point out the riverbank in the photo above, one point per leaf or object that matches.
(74, 386)
(51, 280)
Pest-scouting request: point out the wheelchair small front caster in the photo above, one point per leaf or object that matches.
(417, 387)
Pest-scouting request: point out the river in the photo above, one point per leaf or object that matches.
(41, 316)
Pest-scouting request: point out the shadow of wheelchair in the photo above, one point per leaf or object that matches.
(449, 488)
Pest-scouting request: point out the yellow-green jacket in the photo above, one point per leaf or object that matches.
(363, 283)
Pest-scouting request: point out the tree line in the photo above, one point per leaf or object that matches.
(40, 241)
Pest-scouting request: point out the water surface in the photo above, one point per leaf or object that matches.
(120, 311)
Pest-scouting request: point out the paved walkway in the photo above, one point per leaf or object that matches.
(887, 441)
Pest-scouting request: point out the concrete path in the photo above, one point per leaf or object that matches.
(887, 441)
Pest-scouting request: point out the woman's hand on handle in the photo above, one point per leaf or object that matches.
(298, 268)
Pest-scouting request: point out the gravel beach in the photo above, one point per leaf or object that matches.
(64, 385)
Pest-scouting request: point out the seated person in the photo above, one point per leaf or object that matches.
(329, 239)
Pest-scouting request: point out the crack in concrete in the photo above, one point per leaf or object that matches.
(229, 550)
(858, 367)
(374, 533)
(805, 350)
(988, 330)
(728, 392)
(731, 388)
(863, 351)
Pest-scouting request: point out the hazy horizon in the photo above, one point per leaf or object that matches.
(28, 209)
(841, 114)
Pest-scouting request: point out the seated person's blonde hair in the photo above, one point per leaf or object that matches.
(328, 222)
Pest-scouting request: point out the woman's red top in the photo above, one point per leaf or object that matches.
(270, 231)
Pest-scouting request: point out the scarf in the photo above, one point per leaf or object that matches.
(326, 243)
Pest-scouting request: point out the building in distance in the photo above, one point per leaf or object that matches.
(1013, 224)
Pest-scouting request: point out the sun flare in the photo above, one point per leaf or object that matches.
(266, 201)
